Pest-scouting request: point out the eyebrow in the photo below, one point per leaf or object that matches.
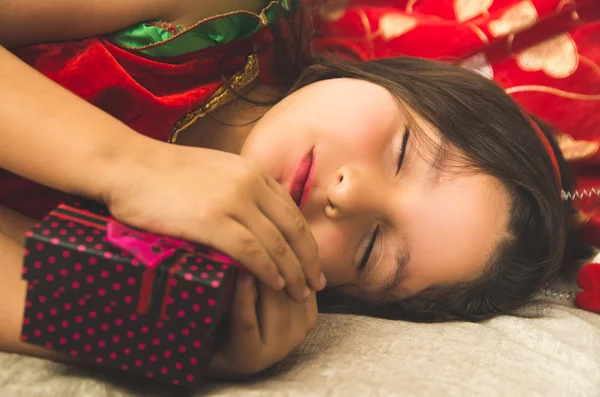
(402, 261)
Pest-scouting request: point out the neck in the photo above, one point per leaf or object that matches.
(227, 128)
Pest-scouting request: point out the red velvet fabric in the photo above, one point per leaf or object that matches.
(545, 53)
(149, 95)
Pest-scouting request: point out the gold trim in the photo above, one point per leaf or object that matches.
(509, 43)
(221, 97)
(590, 63)
(368, 30)
(262, 18)
(576, 150)
(410, 5)
(478, 32)
(562, 4)
(552, 91)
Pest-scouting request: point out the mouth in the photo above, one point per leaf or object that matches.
(301, 184)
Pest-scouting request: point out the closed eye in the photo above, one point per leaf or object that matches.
(373, 239)
(403, 149)
(369, 249)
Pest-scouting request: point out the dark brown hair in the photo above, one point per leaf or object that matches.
(477, 116)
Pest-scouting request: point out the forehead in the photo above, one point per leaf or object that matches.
(346, 91)
(341, 104)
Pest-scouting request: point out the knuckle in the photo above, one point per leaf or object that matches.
(280, 245)
(221, 207)
(251, 246)
(250, 173)
(297, 278)
(245, 326)
(298, 222)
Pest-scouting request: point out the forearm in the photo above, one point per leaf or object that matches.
(25, 22)
(12, 303)
(51, 136)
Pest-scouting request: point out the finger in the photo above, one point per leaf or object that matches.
(276, 311)
(244, 338)
(288, 219)
(311, 312)
(281, 253)
(235, 240)
(245, 329)
(280, 190)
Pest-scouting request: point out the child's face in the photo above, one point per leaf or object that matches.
(442, 227)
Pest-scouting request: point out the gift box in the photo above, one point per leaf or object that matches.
(104, 292)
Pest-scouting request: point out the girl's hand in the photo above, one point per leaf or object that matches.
(223, 201)
(253, 345)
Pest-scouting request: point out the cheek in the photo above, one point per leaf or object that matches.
(334, 253)
(452, 233)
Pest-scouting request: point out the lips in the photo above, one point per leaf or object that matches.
(301, 183)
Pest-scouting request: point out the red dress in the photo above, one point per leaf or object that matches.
(153, 77)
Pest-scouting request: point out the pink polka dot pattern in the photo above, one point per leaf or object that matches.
(89, 291)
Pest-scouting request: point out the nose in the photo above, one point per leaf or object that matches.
(352, 194)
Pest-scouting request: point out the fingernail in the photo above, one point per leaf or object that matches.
(280, 282)
(306, 293)
(323, 281)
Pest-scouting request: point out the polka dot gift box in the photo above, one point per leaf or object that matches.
(130, 300)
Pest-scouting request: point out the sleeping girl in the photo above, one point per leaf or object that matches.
(401, 188)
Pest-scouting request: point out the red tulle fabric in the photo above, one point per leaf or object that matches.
(545, 53)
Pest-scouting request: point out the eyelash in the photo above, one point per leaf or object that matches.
(374, 234)
(367, 254)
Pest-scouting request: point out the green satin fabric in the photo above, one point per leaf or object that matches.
(153, 40)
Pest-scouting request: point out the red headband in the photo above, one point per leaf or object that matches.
(548, 147)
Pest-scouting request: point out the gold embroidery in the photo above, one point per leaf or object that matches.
(509, 43)
(576, 150)
(394, 25)
(221, 97)
(553, 91)
(557, 57)
(590, 63)
(581, 218)
(333, 10)
(410, 5)
(469, 9)
(364, 18)
(477, 30)
(517, 18)
(563, 3)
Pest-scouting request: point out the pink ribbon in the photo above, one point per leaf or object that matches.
(149, 249)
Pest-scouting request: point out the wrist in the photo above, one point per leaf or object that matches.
(127, 161)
